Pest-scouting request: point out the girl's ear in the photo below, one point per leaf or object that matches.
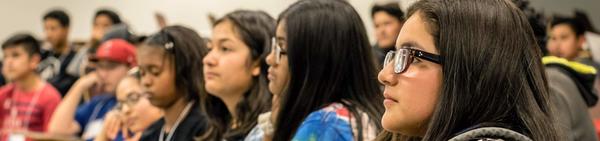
(255, 70)
(256, 67)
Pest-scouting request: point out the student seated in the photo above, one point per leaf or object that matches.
(115, 58)
(235, 73)
(450, 79)
(571, 87)
(103, 21)
(171, 77)
(28, 102)
(387, 19)
(566, 39)
(60, 54)
(323, 73)
(133, 113)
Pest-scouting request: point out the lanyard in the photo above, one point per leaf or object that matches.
(30, 107)
(183, 114)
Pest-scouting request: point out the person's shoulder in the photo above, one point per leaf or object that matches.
(7, 88)
(490, 134)
(106, 100)
(153, 131)
(328, 123)
(69, 56)
(196, 121)
(156, 126)
(104, 97)
(191, 127)
(334, 111)
(50, 91)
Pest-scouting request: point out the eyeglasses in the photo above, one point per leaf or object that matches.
(403, 57)
(277, 49)
(132, 99)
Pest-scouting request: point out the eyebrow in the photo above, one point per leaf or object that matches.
(223, 40)
(411, 44)
(280, 38)
(150, 66)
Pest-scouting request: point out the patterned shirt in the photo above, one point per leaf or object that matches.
(333, 123)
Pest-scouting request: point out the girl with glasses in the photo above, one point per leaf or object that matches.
(133, 113)
(466, 70)
(323, 74)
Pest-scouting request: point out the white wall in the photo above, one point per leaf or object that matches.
(26, 15)
(566, 8)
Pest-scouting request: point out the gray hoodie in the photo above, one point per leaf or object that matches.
(490, 134)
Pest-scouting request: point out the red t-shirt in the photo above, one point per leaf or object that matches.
(32, 110)
(597, 125)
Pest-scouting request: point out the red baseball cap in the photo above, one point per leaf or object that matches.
(117, 50)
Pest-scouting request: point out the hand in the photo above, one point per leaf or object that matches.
(88, 81)
(160, 19)
(112, 124)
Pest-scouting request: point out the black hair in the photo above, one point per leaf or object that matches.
(61, 16)
(113, 16)
(27, 41)
(391, 8)
(576, 26)
(330, 61)
(538, 23)
(487, 79)
(183, 47)
(255, 28)
(582, 17)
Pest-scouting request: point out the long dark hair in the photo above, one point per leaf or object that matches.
(255, 28)
(492, 72)
(183, 47)
(330, 61)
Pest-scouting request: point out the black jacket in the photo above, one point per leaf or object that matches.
(193, 125)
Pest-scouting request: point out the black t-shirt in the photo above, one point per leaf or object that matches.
(192, 126)
(61, 80)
